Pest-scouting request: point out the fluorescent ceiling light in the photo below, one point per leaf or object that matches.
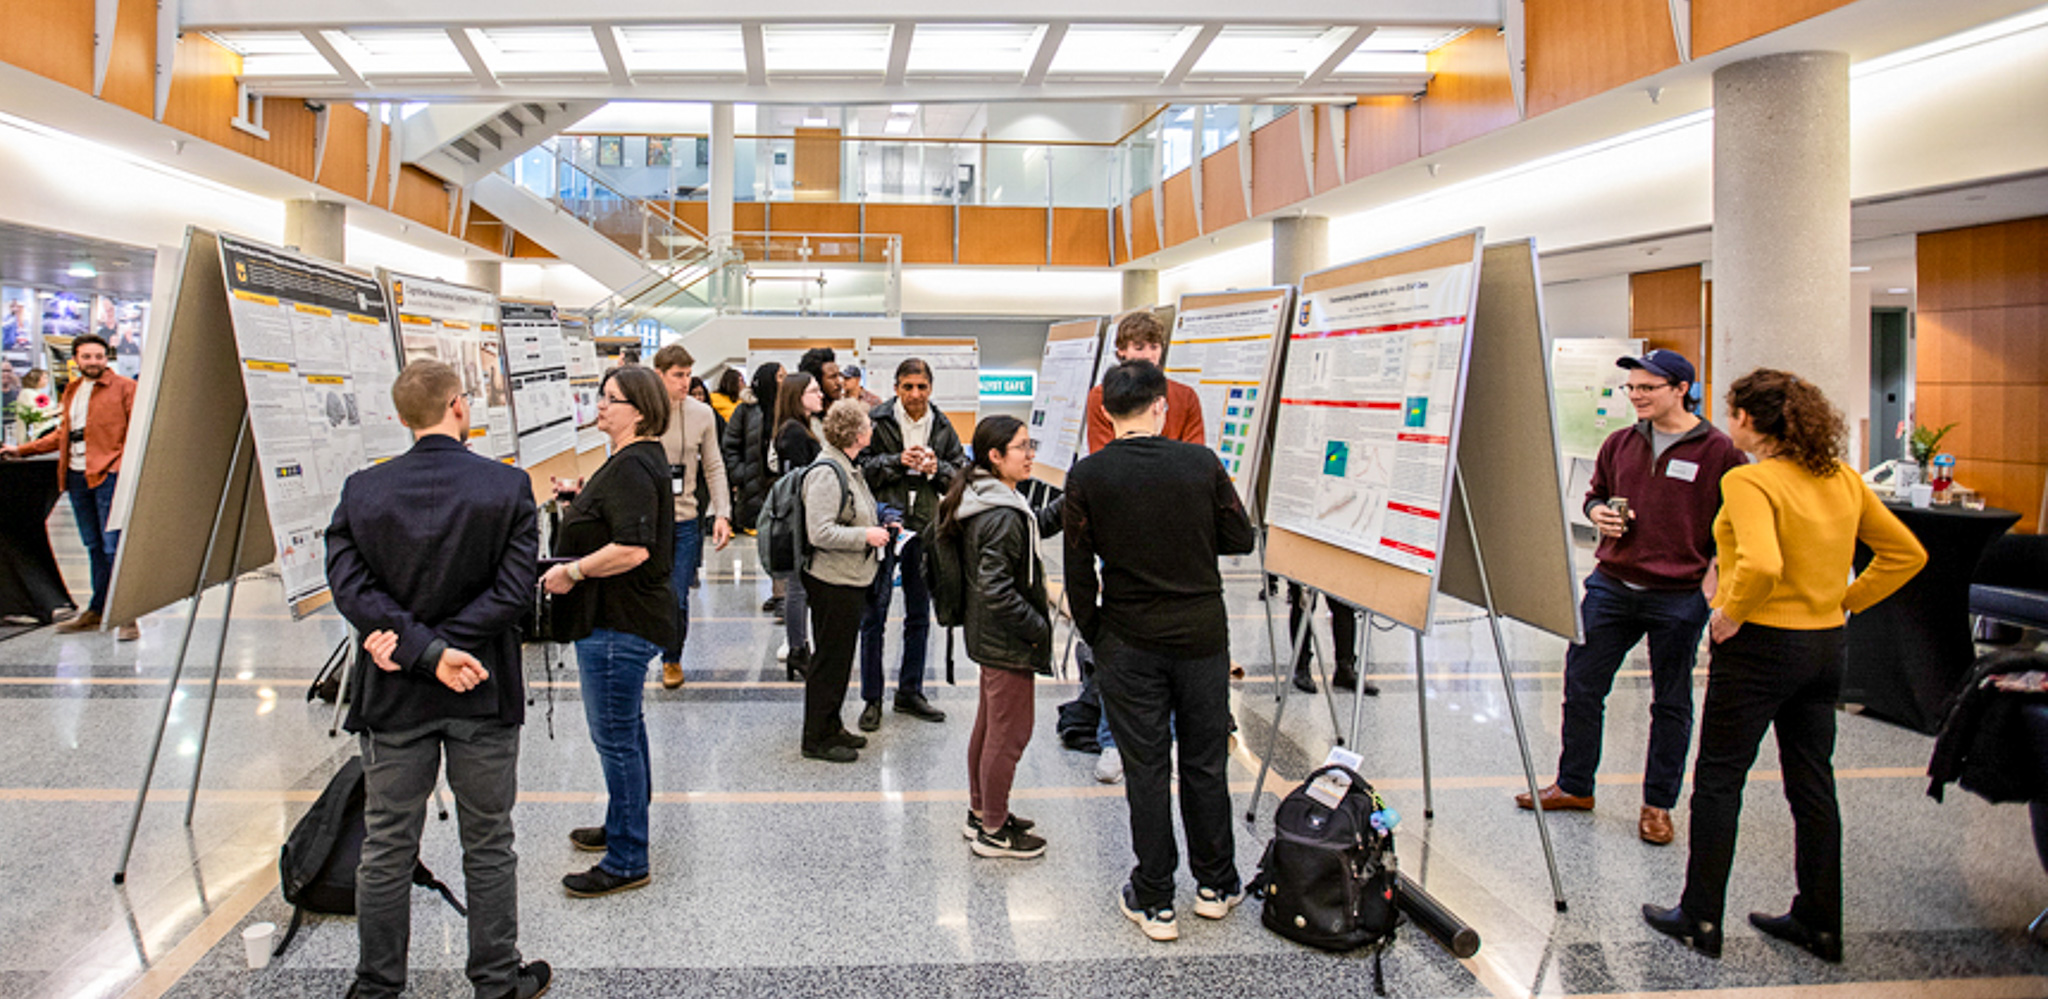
(1119, 49)
(685, 49)
(826, 48)
(1416, 39)
(898, 126)
(545, 52)
(1364, 63)
(1004, 49)
(82, 269)
(1860, 269)
(815, 122)
(1898, 291)
(402, 51)
(1274, 51)
(902, 109)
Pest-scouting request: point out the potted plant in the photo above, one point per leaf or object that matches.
(1924, 443)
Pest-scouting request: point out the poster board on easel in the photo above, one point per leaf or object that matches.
(786, 351)
(956, 373)
(1366, 425)
(1059, 414)
(1228, 345)
(458, 325)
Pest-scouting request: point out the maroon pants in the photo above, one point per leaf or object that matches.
(1002, 728)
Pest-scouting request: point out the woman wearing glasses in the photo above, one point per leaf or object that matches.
(620, 535)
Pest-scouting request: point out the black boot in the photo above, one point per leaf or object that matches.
(798, 665)
(1674, 923)
(1347, 678)
(1304, 680)
(1826, 946)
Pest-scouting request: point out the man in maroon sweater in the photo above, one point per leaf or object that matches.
(1653, 572)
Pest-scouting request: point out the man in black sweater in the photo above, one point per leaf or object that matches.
(431, 556)
(1161, 638)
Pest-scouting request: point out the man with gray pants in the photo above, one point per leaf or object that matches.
(431, 556)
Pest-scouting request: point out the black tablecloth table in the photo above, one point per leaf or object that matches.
(1907, 654)
(30, 583)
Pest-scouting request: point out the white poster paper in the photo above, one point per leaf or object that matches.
(1586, 385)
(956, 372)
(459, 325)
(543, 405)
(1059, 407)
(1226, 353)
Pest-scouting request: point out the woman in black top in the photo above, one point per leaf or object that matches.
(620, 532)
(797, 406)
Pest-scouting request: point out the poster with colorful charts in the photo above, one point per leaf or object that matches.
(317, 366)
(1223, 345)
(1586, 386)
(1367, 417)
(458, 325)
(543, 404)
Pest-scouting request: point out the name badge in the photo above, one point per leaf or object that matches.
(1682, 469)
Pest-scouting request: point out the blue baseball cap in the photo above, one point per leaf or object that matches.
(1668, 363)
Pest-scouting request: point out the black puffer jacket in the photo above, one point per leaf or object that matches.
(882, 463)
(745, 444)
(1006, 614)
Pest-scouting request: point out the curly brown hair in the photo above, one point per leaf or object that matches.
(1795, 415)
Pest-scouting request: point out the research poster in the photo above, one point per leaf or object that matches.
(543, 403)
(317, 366)
(1586, 384)
(1363, 443)
(956, 371)
(1059, 406)
(585, 371)
(458, 325)
(1225, 352)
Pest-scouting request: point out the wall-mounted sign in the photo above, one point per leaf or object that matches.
(1008, 384)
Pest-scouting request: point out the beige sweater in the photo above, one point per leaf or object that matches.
(691, 438)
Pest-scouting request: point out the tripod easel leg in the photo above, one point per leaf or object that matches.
(341, 690)
(1422, 721)
(220, 645)
(1361, 653)
(1281, 681)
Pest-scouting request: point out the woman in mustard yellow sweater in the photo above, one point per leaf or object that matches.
(1787, 530)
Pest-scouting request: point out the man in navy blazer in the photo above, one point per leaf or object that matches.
(431, 556)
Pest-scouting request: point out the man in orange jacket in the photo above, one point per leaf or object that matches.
(93, 429)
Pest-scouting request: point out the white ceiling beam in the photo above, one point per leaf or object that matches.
(349, 75)
(1045, 44)
(1330, 51)
(756, 44)
(1193, 41)
(833, 90)
(289, 14)
(900, 34)
(614, 54)
(466, 44)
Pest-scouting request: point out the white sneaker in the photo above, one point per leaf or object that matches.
(1110, 768)
(782, 654)
(1211, 903)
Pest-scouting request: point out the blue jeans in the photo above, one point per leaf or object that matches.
(612, 666)
(1616, 618)
(689, 552)
(917, 624)
(90, 507)
(1084, 657)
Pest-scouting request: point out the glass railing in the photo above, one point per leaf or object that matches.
(814, 273)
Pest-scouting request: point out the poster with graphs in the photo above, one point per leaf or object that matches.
(537, 358)
(458, 325)
(1223, 346)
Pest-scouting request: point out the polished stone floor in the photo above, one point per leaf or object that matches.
(775, 876)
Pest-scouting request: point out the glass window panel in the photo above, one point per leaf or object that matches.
(544, 51)
(1122, 49)
(1260, 50)
(822, 48)
(685, 49)
(406, 51)
(972, 48)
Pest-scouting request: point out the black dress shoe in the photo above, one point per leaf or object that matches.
(832, 752)
(1304, 681)
(1674, 923)
(798, 665)
(871, 716)
(848, 739)
(1346, 678)
(598, 881)
(916, 706)
(589, 839)
(1826, 946)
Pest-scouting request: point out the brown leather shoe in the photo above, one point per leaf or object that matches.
(129, 632)
(1555, 799)
(671, 675)
(1655, 826)
(83, 621)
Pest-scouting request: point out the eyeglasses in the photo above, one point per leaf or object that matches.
(1635, 388)
(608, 399)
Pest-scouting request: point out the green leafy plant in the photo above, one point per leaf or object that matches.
(1924, 443)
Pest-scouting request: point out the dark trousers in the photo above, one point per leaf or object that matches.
(917, 624)
(1146, 695)
(1343, 628)
(835, 625)
(1002, 728)
(1616, 618)
(689, 555)
(1762, 678)
(399, 772)
(90, 506)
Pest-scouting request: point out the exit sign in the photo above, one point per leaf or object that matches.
(1008, 384)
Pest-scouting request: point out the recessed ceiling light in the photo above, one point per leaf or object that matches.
(902, 109)
(1860, 269)
(814, 123)
(1898, 291)
(82, 269)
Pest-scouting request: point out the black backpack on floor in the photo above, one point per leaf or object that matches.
(1328, 878)
(317, 867)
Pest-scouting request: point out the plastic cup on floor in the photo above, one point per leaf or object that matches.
(256, 940)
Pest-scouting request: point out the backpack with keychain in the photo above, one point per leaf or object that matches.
(1328, 878)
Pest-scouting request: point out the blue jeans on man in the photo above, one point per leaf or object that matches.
(91, 507)
(612, 668)
(1616, 617)
(917, 624)
(689, 555)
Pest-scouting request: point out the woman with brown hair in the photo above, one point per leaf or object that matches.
(797, 405)
(1786, 534)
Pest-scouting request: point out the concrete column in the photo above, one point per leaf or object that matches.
(317, 228)
(1781, 222)
(722, 144)
(486, 274)
(1301, 245)
(1141, 289)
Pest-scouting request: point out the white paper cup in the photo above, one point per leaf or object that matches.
(1923, 496)
(256, 940)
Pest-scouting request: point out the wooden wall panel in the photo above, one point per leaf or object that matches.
(927, 230)
(1981, 357)
(1117, 253)
(1383, 132)
(695, 214)
(749, 216)
(1469, 91)
(348, 150)
(1578, 48)
(818, 217)
(422, 198)
(992, 234)
(1080, 237)
(1144, 236)
(51, 38)
(485, 231)
(131, 71)
(1278, 179)
(1327, 152)
(380, 185)
(1180, 208)
(1222, 189)
(526, 249)
(1666, 299)
(1718, 24)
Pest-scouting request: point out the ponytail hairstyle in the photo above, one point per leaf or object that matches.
(992, 435)
(1795, 415)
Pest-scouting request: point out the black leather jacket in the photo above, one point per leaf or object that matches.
(1007, 620)
(882, 463)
